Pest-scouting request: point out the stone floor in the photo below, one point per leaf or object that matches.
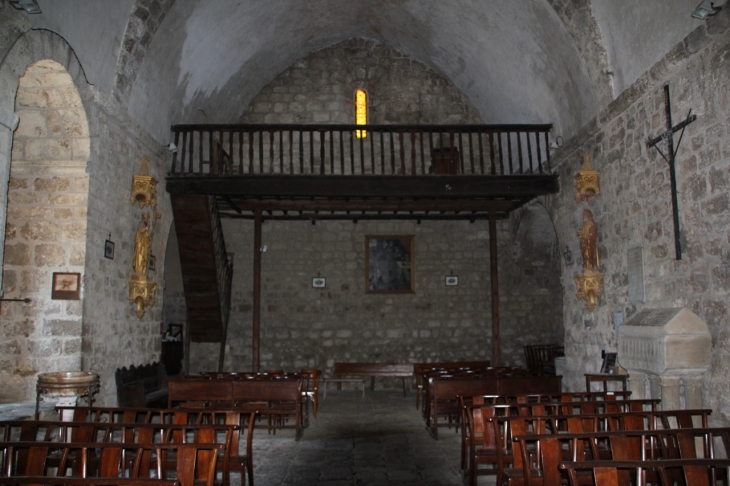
(377, 440)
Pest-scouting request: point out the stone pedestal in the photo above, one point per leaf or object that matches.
(666, 352)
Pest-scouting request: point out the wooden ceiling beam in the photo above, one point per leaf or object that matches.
(370, 217)
(365, 186)
(376, 205)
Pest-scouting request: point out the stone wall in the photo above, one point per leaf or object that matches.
(321, 89)
(113, 334)
(634, 207)
(101, 331)
(46, 228)
(306, 327)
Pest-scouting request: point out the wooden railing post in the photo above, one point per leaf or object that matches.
(495, 287)
(256, 339)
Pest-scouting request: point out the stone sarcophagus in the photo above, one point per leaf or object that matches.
(666, 351)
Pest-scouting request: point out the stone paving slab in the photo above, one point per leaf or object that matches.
(377, 440)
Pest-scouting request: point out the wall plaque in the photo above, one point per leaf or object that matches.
(636, 275)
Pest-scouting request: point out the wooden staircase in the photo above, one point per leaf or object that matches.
(206, 270)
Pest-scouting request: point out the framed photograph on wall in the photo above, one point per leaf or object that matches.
(66, 286)
(319, 282)
(109, 249)
(452, 280)
(389, 264)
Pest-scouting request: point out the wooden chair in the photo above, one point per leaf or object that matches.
(72, 481)
(696, 472)
(606, 379)
(478, 444)
(310, 387)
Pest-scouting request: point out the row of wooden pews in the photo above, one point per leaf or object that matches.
(442, 385)
(281, 398)
(554, 439)
(196, 440)
(189, 447)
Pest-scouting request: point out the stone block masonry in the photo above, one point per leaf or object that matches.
(46, 229)
(306, 327)
(320, 88)
(634, 208)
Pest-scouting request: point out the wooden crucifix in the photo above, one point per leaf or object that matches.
(668, 136)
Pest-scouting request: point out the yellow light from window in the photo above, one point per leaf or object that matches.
(361, 112)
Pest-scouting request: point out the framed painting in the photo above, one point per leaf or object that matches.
(66, 286)
(389, 264)
(109, 249)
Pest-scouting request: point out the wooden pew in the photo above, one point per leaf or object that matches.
(192, 461)
(396, 370)
(201, 390)
(284, 399)
(487, 429)
(442, 393)
(420, 369)
(240, 419)
(71, 481)
(639, 445)
(138, 433)
(279, 397)
(697, 472)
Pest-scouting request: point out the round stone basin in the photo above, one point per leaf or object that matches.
(67, 382)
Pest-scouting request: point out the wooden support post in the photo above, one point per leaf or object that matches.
(256, 340)
(495, 286)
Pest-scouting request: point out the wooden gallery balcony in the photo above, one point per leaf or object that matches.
(363, 172)
(346, 172)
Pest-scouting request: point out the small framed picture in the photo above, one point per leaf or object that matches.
(152, 263)
(319, 282)
(452, 280)
(109, 249)
(66, 286)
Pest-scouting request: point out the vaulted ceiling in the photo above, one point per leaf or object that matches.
(526, 61)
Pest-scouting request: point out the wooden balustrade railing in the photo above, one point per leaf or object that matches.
(385, 150)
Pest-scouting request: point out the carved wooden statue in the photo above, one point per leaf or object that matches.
(589, 242)
(141, 291)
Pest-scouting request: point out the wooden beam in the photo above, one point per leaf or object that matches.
(495, 288)
(256, 340)
(366, 186)
(369, 217)
(448, 205)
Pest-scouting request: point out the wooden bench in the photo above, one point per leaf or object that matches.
(71, 481)
(662, 446)
(442, 393)
(420, 369)
(237, 420)
(396, 370)
(142, 386)
(696, 472)
(277, 398)
(109, 460)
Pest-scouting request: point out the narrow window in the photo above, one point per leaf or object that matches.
(361, 112)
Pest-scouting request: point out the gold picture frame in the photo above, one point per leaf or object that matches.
(66, 286)
(389, 264)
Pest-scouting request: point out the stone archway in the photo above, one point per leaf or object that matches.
(46, 228)
(535, 315)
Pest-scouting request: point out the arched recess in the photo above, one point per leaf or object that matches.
(173, 295)
(537, 316)
(46, 224)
